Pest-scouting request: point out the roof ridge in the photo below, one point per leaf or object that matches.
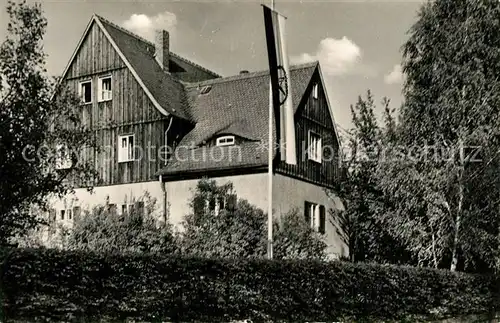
(244, 76)
(195, 64)
(153, 45)
(125, 30)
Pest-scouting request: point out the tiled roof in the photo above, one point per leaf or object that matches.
(236, 105)
(167, 91)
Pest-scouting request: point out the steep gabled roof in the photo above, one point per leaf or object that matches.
(164, 91)
(235, 105)
(164, 88)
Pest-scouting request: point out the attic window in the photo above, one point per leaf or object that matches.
(85, 91)
(315, 91)
(225, 141)
(205, 89)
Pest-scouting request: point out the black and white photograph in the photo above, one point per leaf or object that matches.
(245, 161)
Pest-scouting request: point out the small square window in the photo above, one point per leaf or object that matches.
(126, 149)
(315, 147)
(85, 91)
(105, 93)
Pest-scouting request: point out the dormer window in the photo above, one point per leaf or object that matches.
(225, 141)
(205, 89)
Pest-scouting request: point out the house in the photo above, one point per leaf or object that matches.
(165, 122)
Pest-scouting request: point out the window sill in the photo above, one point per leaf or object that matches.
(99, 101)
(125, 161)
(316, 161)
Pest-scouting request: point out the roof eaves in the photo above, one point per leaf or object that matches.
(77, 48)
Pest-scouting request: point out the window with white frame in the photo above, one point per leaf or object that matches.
(315, 147)
(225, 141)
(315, 90)
(215, 204)
(104, 89)
(315, 216)
(63, 157)
(126, 148)
(85, 91)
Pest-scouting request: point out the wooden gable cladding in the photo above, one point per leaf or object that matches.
(314, 115)
(96, 54)
(130, 111)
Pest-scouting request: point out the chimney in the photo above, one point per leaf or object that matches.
(162, 50)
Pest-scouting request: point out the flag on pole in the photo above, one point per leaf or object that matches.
(281, 85)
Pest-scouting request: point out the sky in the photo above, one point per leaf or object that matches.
(358, 43)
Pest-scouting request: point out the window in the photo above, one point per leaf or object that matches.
(205, 89)
(124, 209)
(315, 148)
(63, 159)
(85, 91)
(218, 203)
(63, 212)
(69, 214)
(225, 141)
(315, 216)
(315, 90)
(126, 148)
(104, 92)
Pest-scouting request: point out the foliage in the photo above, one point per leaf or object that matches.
(77, 286)
(32, 124)
(442, 197)
(360, 223)
(103, 230)
(293, 238)
(240, 229)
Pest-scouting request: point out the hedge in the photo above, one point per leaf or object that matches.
(54, 285)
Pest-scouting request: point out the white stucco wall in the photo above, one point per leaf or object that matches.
(118, 194)
(290, 193)
(250, 187)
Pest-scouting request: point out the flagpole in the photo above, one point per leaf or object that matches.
(270, 172)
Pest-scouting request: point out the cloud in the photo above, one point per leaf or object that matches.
(145, 26)
(395, 76)
(336, 56)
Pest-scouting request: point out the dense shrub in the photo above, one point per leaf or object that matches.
(89, 287)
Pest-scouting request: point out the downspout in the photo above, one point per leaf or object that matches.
(164, 193)
(163, 184)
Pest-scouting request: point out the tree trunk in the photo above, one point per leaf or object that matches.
(454, 258)
(458, 217)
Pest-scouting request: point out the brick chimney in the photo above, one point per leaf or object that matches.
(162, 50)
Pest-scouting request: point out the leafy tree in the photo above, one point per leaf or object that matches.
(360, 222)
(443, 202)
(32, 124)
(240, 229)
(139, 231)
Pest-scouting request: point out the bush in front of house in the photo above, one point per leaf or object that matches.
(88, 287)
